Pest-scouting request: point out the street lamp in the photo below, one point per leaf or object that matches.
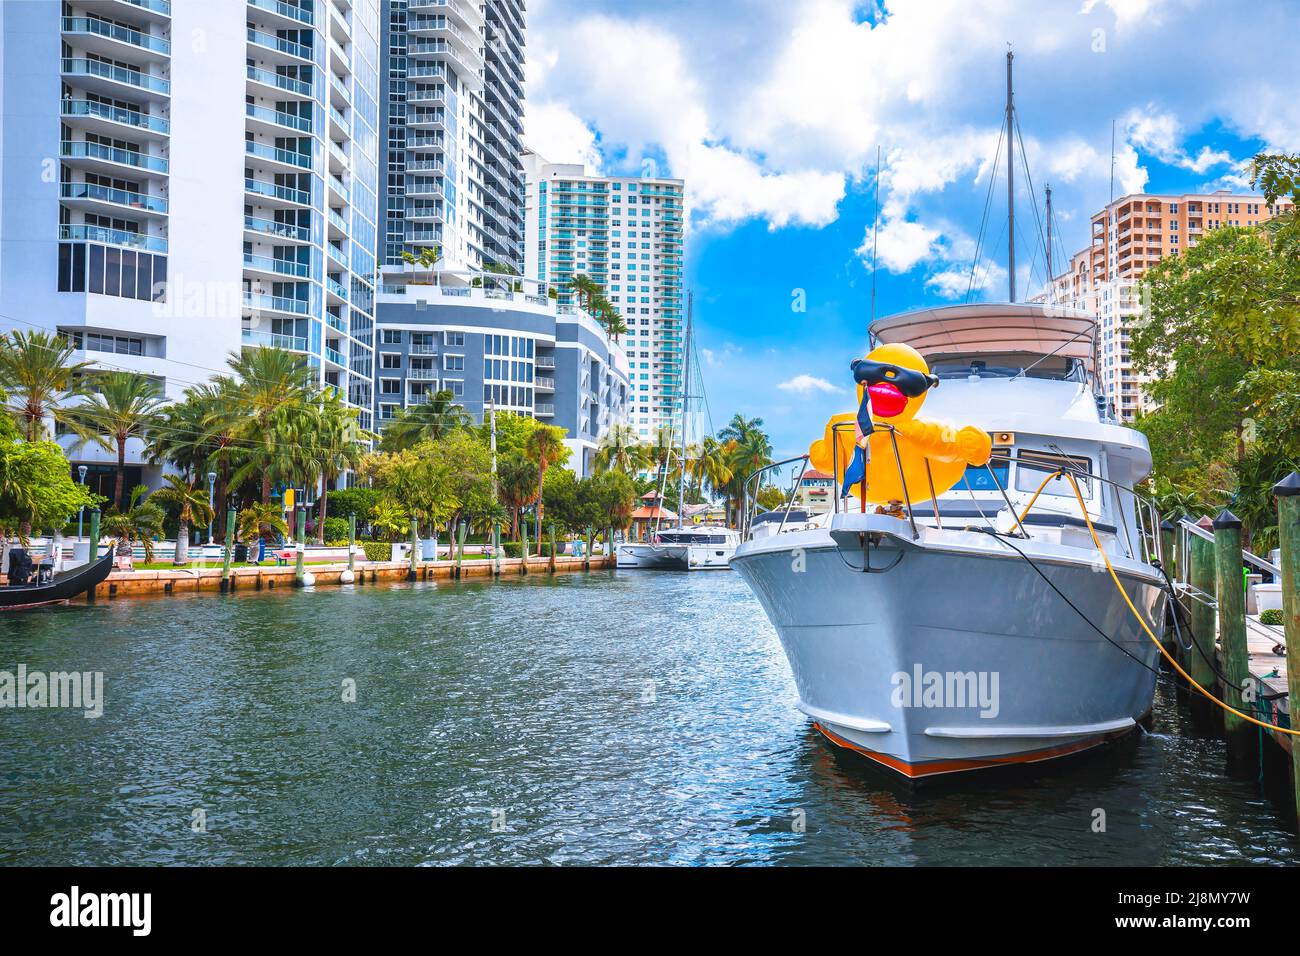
(81, 470)
(212, 503)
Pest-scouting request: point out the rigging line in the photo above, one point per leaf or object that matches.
(875, 237)
(988, 202)
(990, 265)
(1029, 181)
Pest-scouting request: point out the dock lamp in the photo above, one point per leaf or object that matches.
(212, 501)
(81, 471)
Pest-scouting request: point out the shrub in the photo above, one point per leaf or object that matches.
(512, 549)
(336, 529)
(377, 550)
(358, 501)
(1272, 616)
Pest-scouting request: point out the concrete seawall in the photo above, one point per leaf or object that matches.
(150, 583)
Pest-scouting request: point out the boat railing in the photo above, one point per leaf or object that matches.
(1149, 545)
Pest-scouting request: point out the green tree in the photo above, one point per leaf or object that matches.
(516, 486)
(747, 449)
(612, 498)
(436, 416)
(120, 406)
(426, 258)
(272, 389)
(545, 447)
(37, 373)
(620, 450)
(192, 505)
(337, 443)
(260, 520)
(36, 488)
(139, 521)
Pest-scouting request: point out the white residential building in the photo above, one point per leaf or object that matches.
(626, 234)
(181, 178)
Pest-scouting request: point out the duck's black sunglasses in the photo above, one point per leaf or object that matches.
(908, 381)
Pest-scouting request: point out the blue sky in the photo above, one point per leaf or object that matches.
(773, 111)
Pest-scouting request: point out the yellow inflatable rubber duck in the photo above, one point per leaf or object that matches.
(892, 384)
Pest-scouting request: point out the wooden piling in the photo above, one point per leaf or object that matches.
(226, 581)
(412, 575)
(94, 547)
(1288, 527)
(300, 567)
(1230, 586)
(550, 565)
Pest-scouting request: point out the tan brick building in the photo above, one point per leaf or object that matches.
(1129, 236)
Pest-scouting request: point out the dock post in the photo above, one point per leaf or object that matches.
(301, 537)
(1243, 747)
(551, 564)
(462, 531)
(1201, 617)
(1167, 541)
(411, 574)
(348, 576)
(225, 558)
(496, 549)
(94, 547)
(1288, 529)
(589, 539)
(523, 546)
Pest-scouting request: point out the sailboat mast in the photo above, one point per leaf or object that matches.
(686, 398)
(1011, 188)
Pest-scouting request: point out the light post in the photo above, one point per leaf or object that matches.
(212, 502)
(81, 470)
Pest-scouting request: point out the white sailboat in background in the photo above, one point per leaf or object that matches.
(683, 547)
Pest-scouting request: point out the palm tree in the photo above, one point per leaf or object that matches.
(271, 387)
(122, 406)
(584, 288)
(36, 372)
(517, 487)
(426, 258)
(438, 415)
(620, 450)
(193, 506)
(138, 521)
(714, 464)
(338, 443)
(261, 520)
(748, 450)
(543, 447)
(200, 434)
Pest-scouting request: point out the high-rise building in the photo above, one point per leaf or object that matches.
(1129, 236)
(452, 116)
(500, 342)
(625, 233)
(178, 181)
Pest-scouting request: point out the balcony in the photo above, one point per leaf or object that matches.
(260, 302)
(279, 267)
(287, 50)
(422, 374)
(110, 80)
(112, 39)
(336, 288)
(282, 194)
(112, 237)
(103, 118)
(544, 383)
(335, 356)
(544, 410)
(94, 154)
(273, 340)
(277, 230)
(147, 11)
(273, 154)
(91, 196)
(545, 361)
(288, 11)
(274, 80)
(277, 119)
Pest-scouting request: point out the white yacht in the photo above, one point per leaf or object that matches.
(704, 548)
(979, 627)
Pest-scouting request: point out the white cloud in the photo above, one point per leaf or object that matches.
(806, 385)
(553, 131)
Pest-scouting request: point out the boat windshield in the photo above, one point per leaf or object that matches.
(1010, 365)
(691, 537)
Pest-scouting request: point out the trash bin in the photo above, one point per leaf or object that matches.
(241, 552)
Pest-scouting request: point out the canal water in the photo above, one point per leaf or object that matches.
(614, 717)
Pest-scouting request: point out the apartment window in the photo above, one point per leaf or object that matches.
(454, 338)
(124, 273)
(455, 386)
(104, 342)
(390, 360)
(390, 386)
(453, 363)
(392, 337)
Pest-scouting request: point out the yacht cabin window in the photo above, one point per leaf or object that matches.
(1034, 466)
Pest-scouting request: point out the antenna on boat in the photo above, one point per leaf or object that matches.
(875, 237)
(1011, 185)
(1051, 284)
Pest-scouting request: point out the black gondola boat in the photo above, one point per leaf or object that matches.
(60, 588)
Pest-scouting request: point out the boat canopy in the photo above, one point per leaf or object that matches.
(992, 332)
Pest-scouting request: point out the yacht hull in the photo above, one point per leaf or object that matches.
(710, 557)
(956, 659)
(653, 557)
